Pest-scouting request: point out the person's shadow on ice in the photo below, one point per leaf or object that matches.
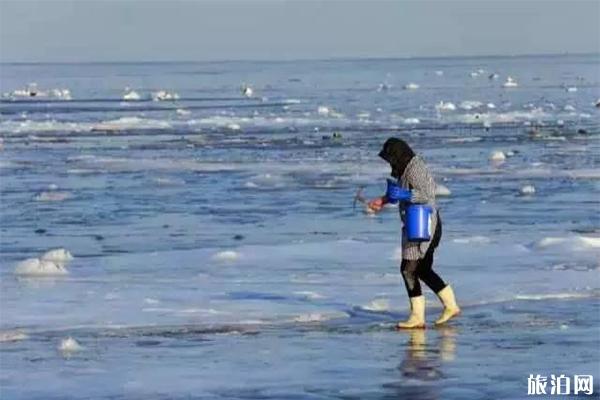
(423, 364)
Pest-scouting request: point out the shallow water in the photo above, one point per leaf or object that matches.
(218, 253)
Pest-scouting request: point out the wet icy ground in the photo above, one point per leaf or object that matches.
(218, 255)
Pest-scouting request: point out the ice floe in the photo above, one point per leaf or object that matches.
(226, 255)
(58, 255)
(37, 267)
(247, 91)
(442, 191)
(62, 94)
(69, 346)
(574, 242)
(470, 104)
(32, 91)
(163, 95)
(510, 83)
(445, 106)
(126, 123)
(536, 114)
(527, 190)
(131, 95)
(51, 263)
(497, 155)
(12, 336)
(323, 110)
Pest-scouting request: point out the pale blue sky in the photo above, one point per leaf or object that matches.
(157, 30)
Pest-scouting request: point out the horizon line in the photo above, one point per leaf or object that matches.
(307, 59)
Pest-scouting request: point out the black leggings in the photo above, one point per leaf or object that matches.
(413, 270)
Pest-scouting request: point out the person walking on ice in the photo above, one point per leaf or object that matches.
(413, 188)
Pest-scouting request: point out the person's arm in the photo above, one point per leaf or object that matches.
(395, 193)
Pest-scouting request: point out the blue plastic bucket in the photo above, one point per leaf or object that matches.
(418, 222)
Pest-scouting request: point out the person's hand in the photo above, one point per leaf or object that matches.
(375, 205)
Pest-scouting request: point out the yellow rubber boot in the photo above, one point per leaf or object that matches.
(451, 309)
(416, 320)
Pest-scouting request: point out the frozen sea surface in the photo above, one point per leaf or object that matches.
(217, 253)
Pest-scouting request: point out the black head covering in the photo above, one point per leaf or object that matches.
(398, 154)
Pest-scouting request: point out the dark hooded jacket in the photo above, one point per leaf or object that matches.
(398, 154)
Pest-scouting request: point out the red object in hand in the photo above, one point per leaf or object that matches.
(376, 204)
